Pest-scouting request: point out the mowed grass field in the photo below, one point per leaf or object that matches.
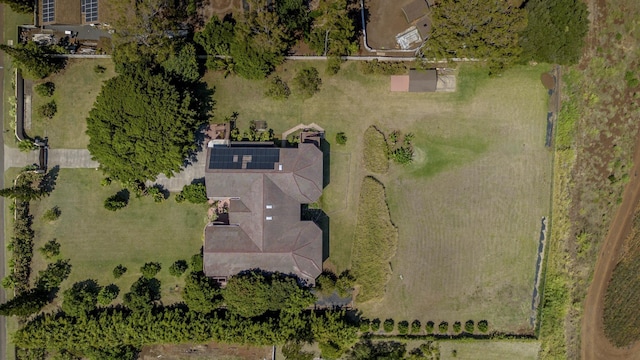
(77, 87)
(468, 210)
(96, 240)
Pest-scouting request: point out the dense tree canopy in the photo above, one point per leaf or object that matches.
(476, 29)
(141, 125)
(253, 293)
(333, 31)
(81, 298)
(201, 293)
(33, 59)
(555, 31)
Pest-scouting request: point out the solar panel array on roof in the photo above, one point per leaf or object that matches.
(244, 158)
(48, 10)
(90, 10)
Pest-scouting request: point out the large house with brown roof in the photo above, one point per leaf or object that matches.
(262, 190)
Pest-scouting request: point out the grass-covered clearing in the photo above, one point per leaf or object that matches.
(489, 350)
(96, 240)
(375, 151)
(77, 87)
(468, 210)
(375, 241)
(621, 317)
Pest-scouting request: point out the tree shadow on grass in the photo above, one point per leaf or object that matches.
(48, 183)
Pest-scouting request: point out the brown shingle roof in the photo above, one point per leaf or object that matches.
(265, 230)
(423, 80)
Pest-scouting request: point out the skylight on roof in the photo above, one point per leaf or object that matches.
(269, 218)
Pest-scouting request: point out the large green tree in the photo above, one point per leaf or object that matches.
(555, 31)
(482, 29)
(81, 298)
(201, 293)
(34, 59)
(333, 31)
(141, 125)
(252, 293)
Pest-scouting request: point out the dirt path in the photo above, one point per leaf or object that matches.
(594, 343)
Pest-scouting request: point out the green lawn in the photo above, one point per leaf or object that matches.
(468, 210)
(96, 240)
(77, 87)
(489, 350)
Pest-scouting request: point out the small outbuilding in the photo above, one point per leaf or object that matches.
(416, 81)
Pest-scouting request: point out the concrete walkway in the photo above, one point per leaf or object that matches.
(81, 159)
(64, 158)
(186, 176)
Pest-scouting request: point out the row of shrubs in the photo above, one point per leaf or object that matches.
(21, 243)
(151, 269)
(404, 328)
(193, 193)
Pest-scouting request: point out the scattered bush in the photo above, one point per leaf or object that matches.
(105, 182)
(307, 82)
(382, 67)
(52, 214)
(99, 69)
(388, 325)
(116, 202)
(365, 325)
(428, 327)
(375, 324)
(457, 326)
(193, 193)
(483, 326)
(118, 271)
(326, 283)
(27, 145)
(341, 138)
(469, 326)
(345, 283)
(403, 327)
(415, 326)
(50, 249)
(631, 79)
(375, 151)
(48, 110)
(156, 193)
(443, 327)
(107, 294)
(45, 89)
(150, 269)
(178, 268)
(402, 156)
(333, 65)
(277, 89)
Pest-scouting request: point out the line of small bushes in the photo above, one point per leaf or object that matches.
(21, 243)
(415, 327)
(383, 67)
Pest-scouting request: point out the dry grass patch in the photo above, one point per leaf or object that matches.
(375, 242)
(621, 318)
(375, 151)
